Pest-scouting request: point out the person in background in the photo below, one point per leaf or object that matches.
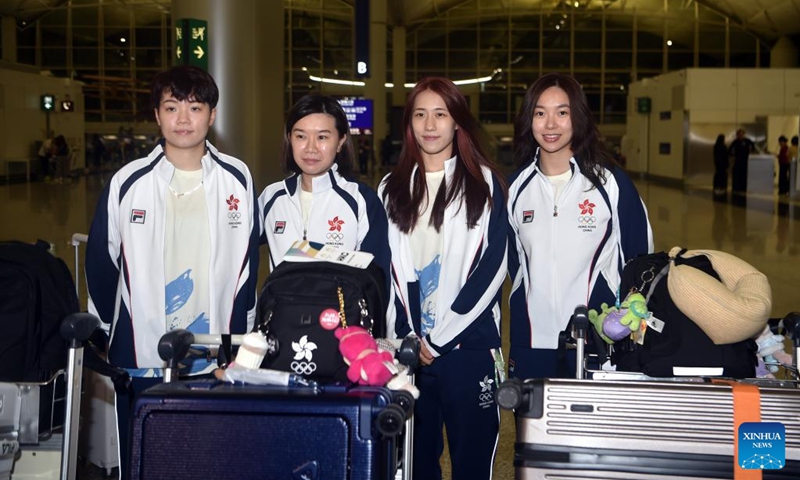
(783, 166)
(720, 167)
(447, 229)
(364, 154)
(61, 158)
(98, 153)
(740, 149)
(173, 242)
(575, 219)
(45, 154)
(387, 149)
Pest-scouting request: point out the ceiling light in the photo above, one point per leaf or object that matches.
(669, 43)
(466, 81)
(122, 39)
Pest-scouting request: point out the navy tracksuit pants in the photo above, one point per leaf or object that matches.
(457, 391)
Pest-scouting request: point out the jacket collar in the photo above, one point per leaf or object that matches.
(318, 184)
(573, 164)
(165, 169)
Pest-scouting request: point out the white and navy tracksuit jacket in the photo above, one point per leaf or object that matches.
(472, 273)
(125, 253)
(345, 213)
(569, 253)
(458, 388)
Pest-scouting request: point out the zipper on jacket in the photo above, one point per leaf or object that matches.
(555, 210)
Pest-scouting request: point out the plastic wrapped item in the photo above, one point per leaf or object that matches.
(263, 376)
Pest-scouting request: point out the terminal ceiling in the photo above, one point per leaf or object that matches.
(768, 19)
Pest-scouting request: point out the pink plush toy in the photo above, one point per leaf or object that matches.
(368, 365)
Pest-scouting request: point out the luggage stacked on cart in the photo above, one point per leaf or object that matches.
(208, 429)
(42, 339)
(36, 294)
(626, 425)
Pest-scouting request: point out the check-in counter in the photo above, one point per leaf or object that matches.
(761, 173)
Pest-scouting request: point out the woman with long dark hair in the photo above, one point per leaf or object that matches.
(576, 218)
(448, 233)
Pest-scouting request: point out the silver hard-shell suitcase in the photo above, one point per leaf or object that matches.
(639, 429)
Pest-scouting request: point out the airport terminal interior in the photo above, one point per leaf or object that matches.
(95, 58)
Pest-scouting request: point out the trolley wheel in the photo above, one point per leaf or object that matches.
(390, 420)
(509, 394)
(405, 400)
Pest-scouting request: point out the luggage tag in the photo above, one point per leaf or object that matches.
(654, 323)
(499, 367)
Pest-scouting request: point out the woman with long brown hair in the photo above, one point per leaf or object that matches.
(448, 232)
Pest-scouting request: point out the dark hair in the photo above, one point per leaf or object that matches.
(782, 139)
(185, 82)
(794, 140)
(586, 146)
(720, 140)
(468, 185)
(309, 105)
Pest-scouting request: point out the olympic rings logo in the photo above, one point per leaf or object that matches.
(303, 368)
(485, 397)
(587, 220)
(234, 215)
(336, 236)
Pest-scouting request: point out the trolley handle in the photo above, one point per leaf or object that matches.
(78, 328)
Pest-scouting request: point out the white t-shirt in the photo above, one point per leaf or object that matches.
(558, 182)
(426, 250)
(306, 201)
(186, 263)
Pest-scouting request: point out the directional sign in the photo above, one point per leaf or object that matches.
(48, 102)
(191, 43)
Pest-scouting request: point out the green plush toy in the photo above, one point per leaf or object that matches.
(614, 323)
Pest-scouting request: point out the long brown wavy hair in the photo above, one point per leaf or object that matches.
(469, 188)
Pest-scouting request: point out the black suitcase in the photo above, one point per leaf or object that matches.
(190, 430)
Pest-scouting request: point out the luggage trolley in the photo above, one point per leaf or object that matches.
(99, 445)
(641, 427)
(297, 430)
(45, 413)
(48, 428)
(53, 454)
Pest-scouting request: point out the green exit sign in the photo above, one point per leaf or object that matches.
(47, 102)
(191, 43)
(643, 104)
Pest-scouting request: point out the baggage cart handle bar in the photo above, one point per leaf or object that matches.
(78, 238)
(78, 327)
(580, 324)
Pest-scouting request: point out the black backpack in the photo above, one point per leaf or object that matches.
(299, 309)
(36, 293)
(681, 343)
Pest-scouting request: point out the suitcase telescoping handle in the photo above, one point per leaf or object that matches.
(76, 328)
(580, 325)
